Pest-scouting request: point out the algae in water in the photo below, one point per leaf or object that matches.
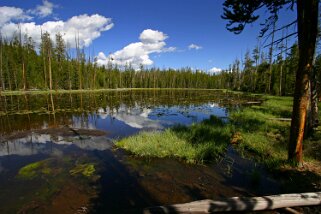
(87, 170)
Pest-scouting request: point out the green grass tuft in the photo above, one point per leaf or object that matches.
(194, 144)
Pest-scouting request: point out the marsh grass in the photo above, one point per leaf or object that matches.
(263, 137)
(197, 143)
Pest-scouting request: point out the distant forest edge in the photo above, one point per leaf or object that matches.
(23, 66)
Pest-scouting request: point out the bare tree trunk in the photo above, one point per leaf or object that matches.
(281, 69)
(24, 75)
(78, 62)
(45, 71)
(69, 71)
(49, 69)
(281, 74)
(44, 63)
(120, 80)
(271, 59)
(8, 75)
(15, 78)
(307, 12)
(23, 60)
(95, 73)
(3, 87)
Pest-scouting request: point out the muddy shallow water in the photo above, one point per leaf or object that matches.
(57, 153)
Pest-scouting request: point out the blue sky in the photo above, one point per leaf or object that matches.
(123, 23)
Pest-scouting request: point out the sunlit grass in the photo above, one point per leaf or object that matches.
(194, 144)
(263, 136)
(264, 132)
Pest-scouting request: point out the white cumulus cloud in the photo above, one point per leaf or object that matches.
(8, 14)
(195, 47)
(138, 53)
(43, 10)
(85, 27)
(215, 70)
(152, 36)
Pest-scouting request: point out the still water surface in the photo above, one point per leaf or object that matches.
(57, 152)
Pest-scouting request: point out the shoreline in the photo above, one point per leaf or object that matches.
(62, 91)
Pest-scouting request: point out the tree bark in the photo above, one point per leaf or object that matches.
(314, 120)
(307, 12)
(1, 65)
(268, 89)
(24, 75)
(49, 68)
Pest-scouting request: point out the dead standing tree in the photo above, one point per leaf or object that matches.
(241, 12)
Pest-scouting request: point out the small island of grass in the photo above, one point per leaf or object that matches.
(194, 144)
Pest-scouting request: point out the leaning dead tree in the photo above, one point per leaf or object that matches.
(241, 12)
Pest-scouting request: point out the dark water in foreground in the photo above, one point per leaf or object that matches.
(57, 154)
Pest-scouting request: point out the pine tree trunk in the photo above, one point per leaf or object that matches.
(1, 66)
(314, 120)
(49, 70)
(24, 76)
(281, 74)
(307, 12)
(94, 79)
(271, 60)
(80, 76)
(45, 71)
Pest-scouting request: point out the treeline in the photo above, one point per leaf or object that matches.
(52, 65)
(258, 73)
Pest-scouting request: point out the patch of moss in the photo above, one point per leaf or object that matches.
(87, 169)
(46, 171)
(36, 169)
(30, 171)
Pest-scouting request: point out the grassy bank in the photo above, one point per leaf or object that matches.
(260, 132)
(264, 130)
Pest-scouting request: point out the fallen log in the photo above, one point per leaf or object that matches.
(281, 119)
(253, 102)
(241, 204)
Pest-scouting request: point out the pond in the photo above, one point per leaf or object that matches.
(57, 152)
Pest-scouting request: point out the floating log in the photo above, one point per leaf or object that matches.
(253, 102)
(241, 204)
(281, 119)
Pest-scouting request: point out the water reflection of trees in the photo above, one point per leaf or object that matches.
(27, 112)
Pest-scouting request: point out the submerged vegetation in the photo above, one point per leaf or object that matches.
(52, 179)
(87, 170)
(33, 170)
